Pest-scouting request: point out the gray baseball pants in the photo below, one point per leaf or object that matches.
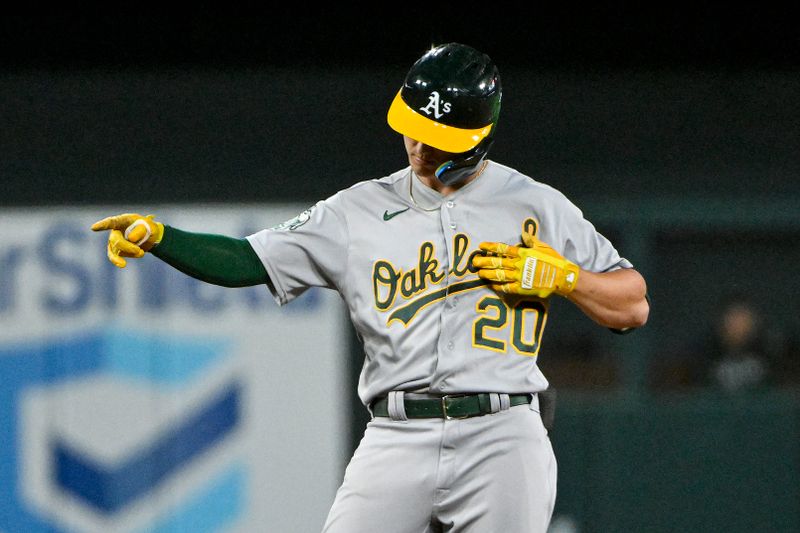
(486, 474)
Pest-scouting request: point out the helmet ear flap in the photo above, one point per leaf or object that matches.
(459, 168)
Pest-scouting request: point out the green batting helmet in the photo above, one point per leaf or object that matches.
(450, 100)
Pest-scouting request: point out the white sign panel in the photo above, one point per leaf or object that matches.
(140, 399)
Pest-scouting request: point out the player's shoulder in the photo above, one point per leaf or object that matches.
(383, 183)
(369, 187)
(519, 183)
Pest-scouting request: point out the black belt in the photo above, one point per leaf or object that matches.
(449, 406)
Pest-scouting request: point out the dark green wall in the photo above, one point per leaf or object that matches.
(275, 133)
(679, 463)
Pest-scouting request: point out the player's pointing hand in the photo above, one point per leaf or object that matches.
(131, 235)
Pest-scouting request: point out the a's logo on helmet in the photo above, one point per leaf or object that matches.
(434, 103)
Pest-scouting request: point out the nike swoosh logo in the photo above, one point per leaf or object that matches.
(389, 216)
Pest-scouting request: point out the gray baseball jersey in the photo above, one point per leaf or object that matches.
(398, 252)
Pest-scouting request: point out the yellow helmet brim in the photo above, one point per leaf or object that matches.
(417, 126)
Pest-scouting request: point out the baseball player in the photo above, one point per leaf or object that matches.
(447, 267)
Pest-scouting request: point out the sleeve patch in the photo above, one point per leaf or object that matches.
(296, 222)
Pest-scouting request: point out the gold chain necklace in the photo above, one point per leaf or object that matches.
(411, 176)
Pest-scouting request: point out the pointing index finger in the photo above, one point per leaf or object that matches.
(101, 225)
(115, 222)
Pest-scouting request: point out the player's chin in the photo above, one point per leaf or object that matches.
(423, 167)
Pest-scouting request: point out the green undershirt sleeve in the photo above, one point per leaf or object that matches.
(216, 259)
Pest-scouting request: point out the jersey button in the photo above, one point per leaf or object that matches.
(450, 203)
(452, 225)
(450, 345)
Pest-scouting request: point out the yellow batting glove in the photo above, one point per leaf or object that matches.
(535, 269)
(131, 235)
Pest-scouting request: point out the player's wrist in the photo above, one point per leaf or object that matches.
(568, 281)
(162, 236)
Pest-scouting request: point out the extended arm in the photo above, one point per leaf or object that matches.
(216, 259)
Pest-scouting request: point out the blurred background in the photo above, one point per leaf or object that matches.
(139, 400)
